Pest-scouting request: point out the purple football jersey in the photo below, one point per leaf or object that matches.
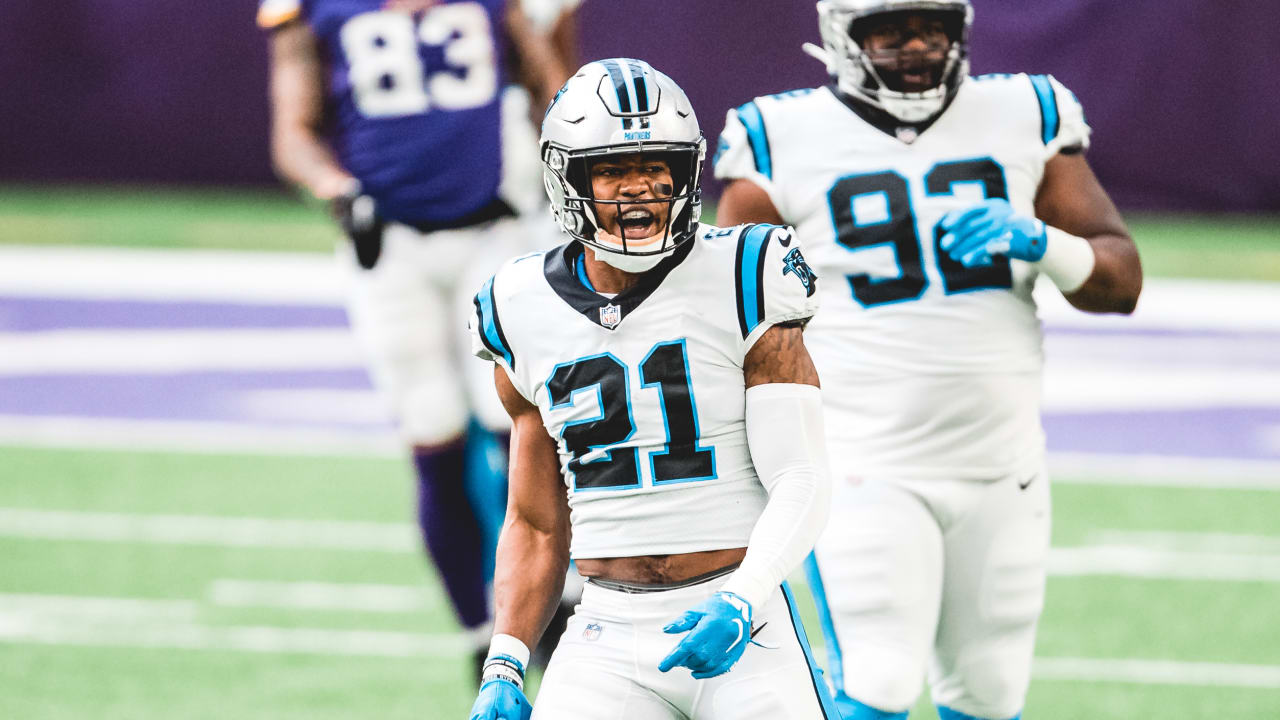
(415, 102)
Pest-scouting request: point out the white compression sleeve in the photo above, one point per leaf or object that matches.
(1068, 260)
(785, 435)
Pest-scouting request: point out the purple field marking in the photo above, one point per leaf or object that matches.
(170, 396)
(1209, 432)
(26, 314)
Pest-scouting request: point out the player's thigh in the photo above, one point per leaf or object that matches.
(404, 324)
(992, 598)
(488, 249)
(880, 561)
(592, 676)
(776, 677)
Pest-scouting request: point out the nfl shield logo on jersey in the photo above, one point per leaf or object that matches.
(610, 316)
(592, 632)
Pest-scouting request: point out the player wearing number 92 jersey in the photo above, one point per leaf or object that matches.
(666, 429)
(929, 202)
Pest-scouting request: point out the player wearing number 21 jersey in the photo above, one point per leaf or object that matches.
(666, 430)
(929, 202)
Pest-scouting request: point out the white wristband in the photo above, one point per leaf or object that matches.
(510, 646)
(1068, 260)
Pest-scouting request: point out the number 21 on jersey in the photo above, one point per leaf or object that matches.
(896, 227)
(665, 369)
(386, 71)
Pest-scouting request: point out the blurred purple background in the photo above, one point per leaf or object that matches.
(1181, 93)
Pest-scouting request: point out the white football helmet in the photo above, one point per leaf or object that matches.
(612, 107)
(856, 75)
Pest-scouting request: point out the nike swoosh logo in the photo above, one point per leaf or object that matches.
(1027, 484)
(756, 630)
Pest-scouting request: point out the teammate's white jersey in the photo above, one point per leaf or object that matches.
(929, 369)
(644, 391)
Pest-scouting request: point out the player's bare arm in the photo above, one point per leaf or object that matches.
(1071, 198)
(542, 69)
(743, 202)
(779, 356)
(298, 150)
(533, 550)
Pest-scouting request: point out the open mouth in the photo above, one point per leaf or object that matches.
(638, 224)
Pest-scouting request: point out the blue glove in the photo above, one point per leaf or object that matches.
(989, 228)
(501, 699)
(721, 630)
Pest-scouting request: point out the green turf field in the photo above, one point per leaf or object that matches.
(1233, 248)
(150, 585)
(202, 659)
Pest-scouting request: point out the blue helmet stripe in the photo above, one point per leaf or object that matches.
(620, 89)
(1048, 107)
(490, 329)
(753, 121)
(752, 243)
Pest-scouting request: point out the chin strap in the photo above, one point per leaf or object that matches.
(623, 261)
(820, 54)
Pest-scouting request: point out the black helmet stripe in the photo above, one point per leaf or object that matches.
(642, 90)
(619, 87)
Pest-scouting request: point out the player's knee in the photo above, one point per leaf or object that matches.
(991, 687)
(887, 681)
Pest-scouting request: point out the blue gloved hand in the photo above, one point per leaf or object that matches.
(501, 699)
(721, 629)
(990, 228)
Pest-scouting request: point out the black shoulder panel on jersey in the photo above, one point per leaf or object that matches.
(490, 326)
(753, 244)
(558, 269)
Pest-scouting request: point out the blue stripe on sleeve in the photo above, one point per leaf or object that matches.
(489, 324)
(753, 121)
(835, 658)
(1048, 107)
(752, 245)
(819, 685)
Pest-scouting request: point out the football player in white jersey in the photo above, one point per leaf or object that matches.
(666, 430)
(929, 202)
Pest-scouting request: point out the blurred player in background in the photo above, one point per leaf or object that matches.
(664, 406)
(391, 112)
(929, 202)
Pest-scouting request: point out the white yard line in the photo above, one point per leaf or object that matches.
(138, 274)
(1141, 562)
(103, 352)
(209, 530)
(1164, 471)
(359, 597)
(1156, 672)
(164, 624)
(82, 609)
(252, 639)
(1189, 541)
(195, 437)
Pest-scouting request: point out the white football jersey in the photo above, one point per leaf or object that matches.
(929, 369)
(644, 392)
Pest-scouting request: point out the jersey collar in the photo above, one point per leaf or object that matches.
(559, 267)
(886, 123)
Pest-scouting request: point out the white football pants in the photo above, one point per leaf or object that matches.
(606, 665)
(939, 574)
(409, 314)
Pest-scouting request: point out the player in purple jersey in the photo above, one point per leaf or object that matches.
(392, 113)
